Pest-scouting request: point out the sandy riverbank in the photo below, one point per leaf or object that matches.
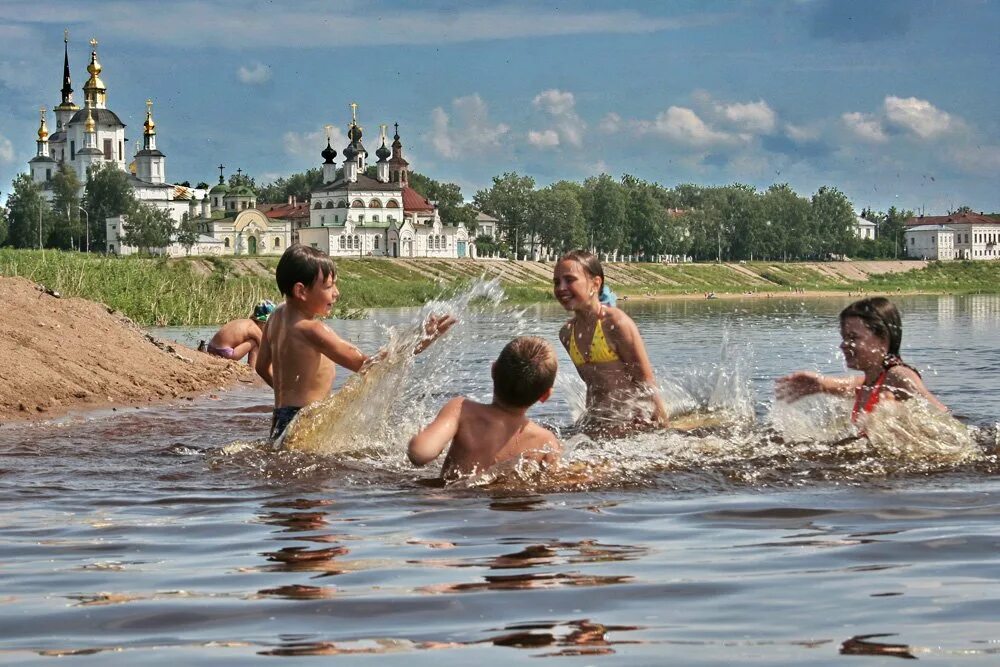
(58, 355)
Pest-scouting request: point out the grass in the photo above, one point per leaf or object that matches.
(196, 291)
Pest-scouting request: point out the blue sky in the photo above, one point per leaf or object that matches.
(894, 102)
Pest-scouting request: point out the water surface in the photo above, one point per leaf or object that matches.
(148, 535)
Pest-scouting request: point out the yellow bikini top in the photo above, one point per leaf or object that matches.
(600, 351)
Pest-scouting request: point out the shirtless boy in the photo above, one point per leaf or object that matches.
(240, 338)
(299, 354)
(483, 435)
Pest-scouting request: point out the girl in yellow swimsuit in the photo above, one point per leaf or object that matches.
(607, 350)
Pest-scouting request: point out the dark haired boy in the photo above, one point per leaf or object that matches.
(299, 354)
(481, 435)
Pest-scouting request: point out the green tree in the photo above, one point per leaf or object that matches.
(605, 207)
(241, 178)
(27, 213)
(67, 230)
(147, 228)
(298, 185)
(187, 233)
(107, 194)
(3, 225)
(557, 218)
(646, 222)
(508, 201)
(786, 218)
(832, 221)
(745, 222)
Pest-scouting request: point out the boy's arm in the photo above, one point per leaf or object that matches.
(262, 363)
(429, 443)
(333, 346)
(805, 383)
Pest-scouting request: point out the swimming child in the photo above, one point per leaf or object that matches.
(240, 338)
(482, 435)
(607, 350)
(299, 354)
(871, 331)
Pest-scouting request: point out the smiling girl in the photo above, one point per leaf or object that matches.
(871, 331)
(607, 350)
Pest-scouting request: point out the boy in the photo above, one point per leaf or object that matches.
(483, 435)
(299, 354)
(240, 338)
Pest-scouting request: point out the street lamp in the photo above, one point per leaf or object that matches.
(84, 211)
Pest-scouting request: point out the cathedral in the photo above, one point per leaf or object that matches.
(355, 215)
(350, 215)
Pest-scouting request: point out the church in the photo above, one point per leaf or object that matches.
(355, 215)
(350, 215)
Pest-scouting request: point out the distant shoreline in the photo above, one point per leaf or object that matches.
(199, 291)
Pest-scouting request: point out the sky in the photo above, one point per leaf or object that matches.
(893, 102)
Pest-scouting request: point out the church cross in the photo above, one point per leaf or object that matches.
(66, 36)
(239, 172)
(396, 125)
(329, 132)
(221, 167)
(354, 112)
(93, 42)
(149, 106)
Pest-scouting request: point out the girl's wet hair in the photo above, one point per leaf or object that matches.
(881, 317)
(588, 261)
(302, 264)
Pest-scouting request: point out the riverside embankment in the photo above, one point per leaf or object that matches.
(201, 290)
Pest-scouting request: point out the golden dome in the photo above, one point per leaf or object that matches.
(149, 124)
(94, 68)
(89, 125)
(131, 167)
(43, 130)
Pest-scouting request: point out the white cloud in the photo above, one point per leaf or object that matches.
(472, 132)
(6, 150)
(568, 127)
(802, 133)
(683, 126)
(611, 123)
(918, 116)
(254, 76)
(309, 145)
(978, 160)
(543, 139)
(755, 117)
(865, 126)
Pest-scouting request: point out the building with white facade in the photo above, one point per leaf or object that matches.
(863, 228)
(356, 215)
(972, 236)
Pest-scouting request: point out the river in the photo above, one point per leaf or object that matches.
(171, 535)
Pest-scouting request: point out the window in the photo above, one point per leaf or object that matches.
(342, 203)
(108, 150)
(121, 151)
(342, 242)
(357, 203)
(357, 242)
(72, 150)
(391, 204)
(322, 219)
(48, 174)
(376, 241)
(318, 205)
(374, 203)
(374, 218)
(277, 242)
(329, 204)
(225, 242)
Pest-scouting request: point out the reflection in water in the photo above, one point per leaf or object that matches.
(860, 645)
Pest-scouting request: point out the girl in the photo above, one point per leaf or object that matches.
(871, 332)
(607, 350)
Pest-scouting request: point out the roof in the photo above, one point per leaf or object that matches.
(284, 210)
(40, 158)
(364, 183)
(863, 222)
(149, 153)
(137, 182)
(954, 219)
(929, 228)
(485, 217)
(414, 201)
(101, 117)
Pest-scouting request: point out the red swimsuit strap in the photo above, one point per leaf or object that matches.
(873, 397)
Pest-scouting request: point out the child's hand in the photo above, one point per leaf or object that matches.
(797, 385)
(434, 327)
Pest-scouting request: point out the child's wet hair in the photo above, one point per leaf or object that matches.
(302, 264)
(588, 261)
(525, 369)
(881, 317)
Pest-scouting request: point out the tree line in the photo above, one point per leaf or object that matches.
(628, 217)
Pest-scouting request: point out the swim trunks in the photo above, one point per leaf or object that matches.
(281, 418)
(224, 352)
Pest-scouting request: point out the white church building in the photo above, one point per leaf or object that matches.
(356, 215)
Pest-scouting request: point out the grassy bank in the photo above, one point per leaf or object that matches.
(212, 290)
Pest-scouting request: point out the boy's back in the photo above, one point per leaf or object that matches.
(487, 435)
